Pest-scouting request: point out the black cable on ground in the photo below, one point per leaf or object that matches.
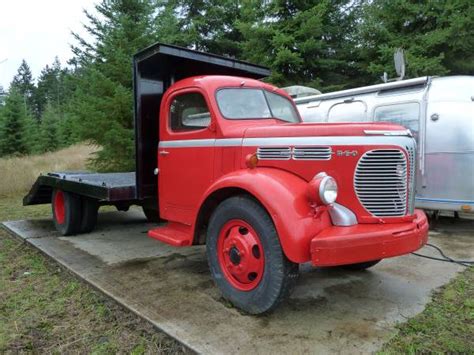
(445, 258)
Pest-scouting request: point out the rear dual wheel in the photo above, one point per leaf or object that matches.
(73, 214)
(245, 256)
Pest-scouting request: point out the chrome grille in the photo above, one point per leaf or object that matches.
(411, 178)
(381, 182)
(312, 153)
(274, 153)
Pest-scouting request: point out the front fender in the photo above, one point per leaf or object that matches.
(284, 197)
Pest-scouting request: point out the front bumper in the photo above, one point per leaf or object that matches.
(366, 242)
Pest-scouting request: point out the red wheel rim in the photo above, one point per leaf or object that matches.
(240, 254)
(59, 208)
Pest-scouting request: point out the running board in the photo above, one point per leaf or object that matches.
(175, 234)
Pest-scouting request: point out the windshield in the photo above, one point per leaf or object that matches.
(243, 103)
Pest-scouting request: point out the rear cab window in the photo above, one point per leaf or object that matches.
(189, 111)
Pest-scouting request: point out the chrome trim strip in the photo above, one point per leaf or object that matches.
(327, 140)
(444, 200)
(405, 132)
(194, 143)
(363, 90)
(228, 142)
(187, 143)
(401, 141)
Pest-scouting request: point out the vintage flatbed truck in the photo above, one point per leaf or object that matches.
(224, 160)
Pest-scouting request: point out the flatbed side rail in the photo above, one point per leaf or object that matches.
(104, 192)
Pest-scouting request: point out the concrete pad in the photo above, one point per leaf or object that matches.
(330, 311)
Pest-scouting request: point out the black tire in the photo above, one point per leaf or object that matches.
(69, 221)
(152, 215)
(360, 266)
(279, 275)
(90, 210)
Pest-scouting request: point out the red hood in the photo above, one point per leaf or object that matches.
(318, 129)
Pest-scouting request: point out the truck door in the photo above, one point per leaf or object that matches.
(185, 154)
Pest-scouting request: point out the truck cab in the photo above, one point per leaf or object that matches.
(225, 160)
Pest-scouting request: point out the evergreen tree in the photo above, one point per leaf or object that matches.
(3, 94)
(67, 130)
(205, 25)
(49, 135)
(50, 87)
(23, 84)
(437, 36)
(103, 101)
(304, 42)
(33, 135)
(12, 131)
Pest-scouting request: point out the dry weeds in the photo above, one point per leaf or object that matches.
(19, 173)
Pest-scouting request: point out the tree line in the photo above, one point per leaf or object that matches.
(326, 44)
(34, 117)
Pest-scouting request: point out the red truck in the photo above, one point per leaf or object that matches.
(224, 160)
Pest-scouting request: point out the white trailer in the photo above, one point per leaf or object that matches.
(440, 113)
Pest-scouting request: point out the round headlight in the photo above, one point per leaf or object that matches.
(328, 190)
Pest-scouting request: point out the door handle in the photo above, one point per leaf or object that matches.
(164, 152)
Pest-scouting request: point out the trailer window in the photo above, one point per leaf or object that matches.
(406, 115)
(244, 103)
(350, 111)
(189, 111)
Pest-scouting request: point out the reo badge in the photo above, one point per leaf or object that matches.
(347, 153)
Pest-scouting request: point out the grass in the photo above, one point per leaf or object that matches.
(45, 309)
(445, 326)
(17, 174)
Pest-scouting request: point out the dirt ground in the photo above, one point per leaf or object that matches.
(329, 311)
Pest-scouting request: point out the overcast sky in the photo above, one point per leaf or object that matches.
(37, 31)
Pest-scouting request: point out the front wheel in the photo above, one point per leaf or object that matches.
(245, 256)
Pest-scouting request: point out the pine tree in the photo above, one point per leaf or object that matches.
(437, 36)
(50, 88)
(3, 94)
(103, 101)
(205, 25)
(33, 135)
(303, 42)
(12, 130)
(24, 85)
(49, 135)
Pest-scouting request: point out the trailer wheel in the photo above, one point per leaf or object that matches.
(245, 256)
(90, 209)
(66, 209)
(360, 266)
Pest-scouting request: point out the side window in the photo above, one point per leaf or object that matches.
(189, 112)
(406, 115)
(355, 111)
